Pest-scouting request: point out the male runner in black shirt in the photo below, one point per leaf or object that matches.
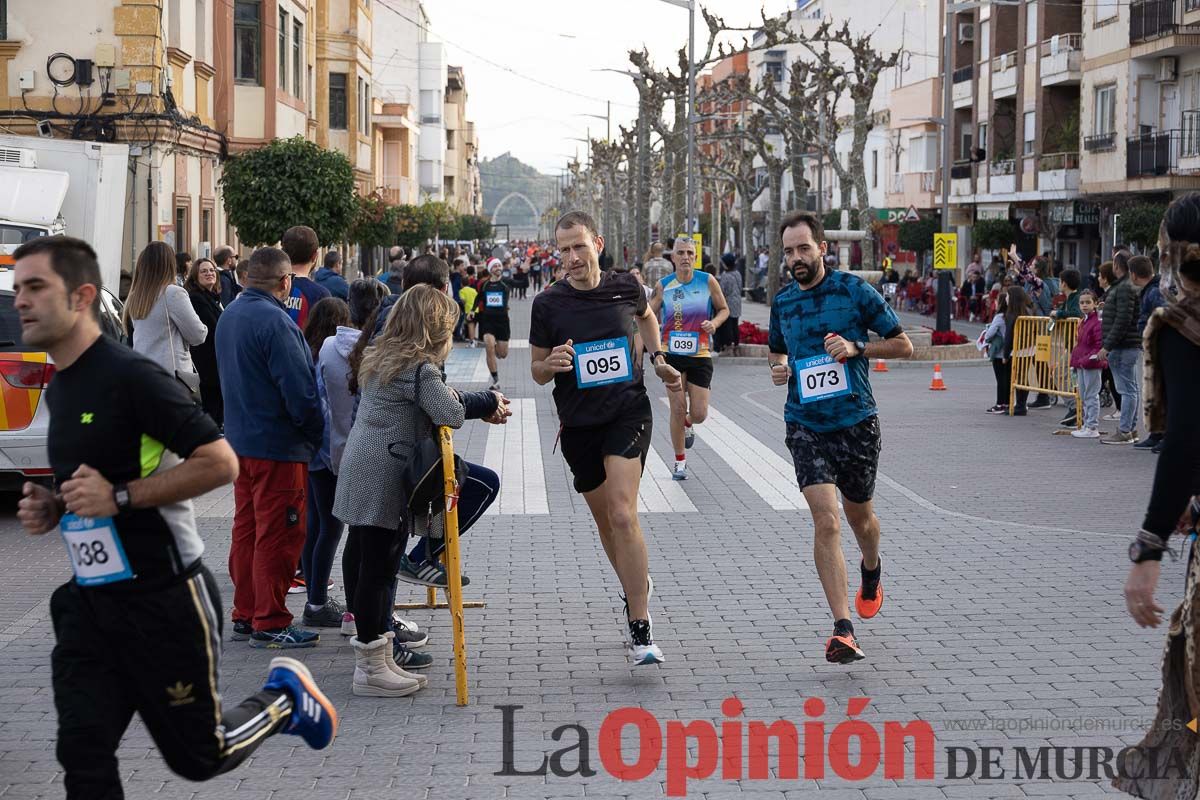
(139, 626)
(491, 312)
(581, 336)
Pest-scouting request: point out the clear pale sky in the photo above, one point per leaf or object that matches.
(537, 123)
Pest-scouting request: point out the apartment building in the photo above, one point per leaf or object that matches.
(145, 74)
(1140, 102)
(719, 117)
(461, 184)
(401, 27)
(1016, 76)
(343, 84)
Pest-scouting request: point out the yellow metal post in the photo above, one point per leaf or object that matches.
(454, 565)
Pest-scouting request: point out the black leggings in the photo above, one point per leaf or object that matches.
(1003, 382)
(369, 565)
(1107, 382)
(323, 535)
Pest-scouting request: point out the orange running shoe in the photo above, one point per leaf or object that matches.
(868, 608)
(842, 648)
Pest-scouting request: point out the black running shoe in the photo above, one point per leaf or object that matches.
(842, 648)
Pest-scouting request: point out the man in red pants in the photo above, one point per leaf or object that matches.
(274, 424)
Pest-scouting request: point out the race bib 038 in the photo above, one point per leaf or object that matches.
(94, 547)
(494, 299)
(603, 362)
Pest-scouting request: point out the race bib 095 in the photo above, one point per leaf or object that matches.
(603, 362)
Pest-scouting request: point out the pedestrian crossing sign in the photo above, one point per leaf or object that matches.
(699, 239)
(945, 251)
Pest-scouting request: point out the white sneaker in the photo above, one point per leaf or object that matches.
(679, 473)
(642, 649)
(407, 624)
(1086, 433)
(1113, 417)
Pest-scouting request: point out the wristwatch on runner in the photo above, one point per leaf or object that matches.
(121, 497)
(656, 354)
(861, 347)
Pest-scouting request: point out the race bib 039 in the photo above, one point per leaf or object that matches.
(683, 343)
(94, 547)
(603, 362)
(820, 378)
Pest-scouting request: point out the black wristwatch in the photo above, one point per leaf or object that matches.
(861, 347)
(1140, 551)
(121, 497)
(656, 354)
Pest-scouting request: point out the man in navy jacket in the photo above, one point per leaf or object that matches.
(330, 276)
(274, 424)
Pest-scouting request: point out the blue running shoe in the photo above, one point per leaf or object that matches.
(313, 719)
(284, 638)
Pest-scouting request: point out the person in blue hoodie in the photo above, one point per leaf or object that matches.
(330, 277)
(273, 422)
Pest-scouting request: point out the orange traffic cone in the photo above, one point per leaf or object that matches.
(938, 384)
(880, 365)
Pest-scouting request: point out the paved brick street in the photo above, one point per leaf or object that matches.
(1004, 558)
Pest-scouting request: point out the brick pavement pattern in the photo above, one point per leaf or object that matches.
(1004, 558)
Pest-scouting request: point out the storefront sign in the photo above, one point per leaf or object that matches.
(1075, 212)
(991, 211)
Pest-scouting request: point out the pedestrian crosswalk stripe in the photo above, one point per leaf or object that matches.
(514, 452)
(772, 477)
(658, 492)
(518, 344)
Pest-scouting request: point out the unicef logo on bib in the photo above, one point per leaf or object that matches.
(603, 362)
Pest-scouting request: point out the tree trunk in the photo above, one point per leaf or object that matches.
(799, 184)
(641, 211)
(628, 215)
(862, 129)
(666, 219)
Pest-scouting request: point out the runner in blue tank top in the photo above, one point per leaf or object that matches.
(820, 326)
(692, 307)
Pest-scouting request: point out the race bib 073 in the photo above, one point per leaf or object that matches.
(683, 343)
(94, 547)
(603, 362)
(820, 378)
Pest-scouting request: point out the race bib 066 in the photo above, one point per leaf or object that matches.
(603, 362)
(683, 343)
(820, 378)
(94, 547)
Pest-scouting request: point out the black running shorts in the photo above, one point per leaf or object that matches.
(628, 436)
(848, 458)
(697, 371)
(496, 327)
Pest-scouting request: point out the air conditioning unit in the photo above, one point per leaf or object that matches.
(18, 157)
(966, 32)
(1168, 69)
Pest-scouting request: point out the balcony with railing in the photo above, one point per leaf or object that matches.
(963, 90)
(1002, 176)
(1153, 154)
(960, 179)
(1061, 60)
(1189, 146)
(1004, 75)
(1058, 172)
(1100, 142)
(1156, 21)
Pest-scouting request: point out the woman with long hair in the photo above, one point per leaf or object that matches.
(994, 337)
(404, 399)
(203, 286)
(1020, 304)
(159, 317)
(1172, 397)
